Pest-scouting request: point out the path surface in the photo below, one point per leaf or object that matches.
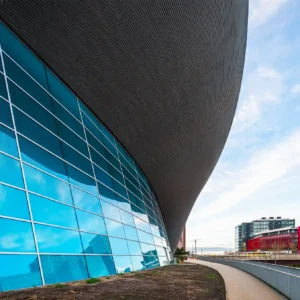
(241, 285)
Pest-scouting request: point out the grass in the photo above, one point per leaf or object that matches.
(107, 277)
(120, 274)
(212, 276)
(139, 275)
(92, 280)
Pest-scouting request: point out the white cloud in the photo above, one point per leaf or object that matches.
(264, 166)
(296, 89)
(261, 11)
(266, 72)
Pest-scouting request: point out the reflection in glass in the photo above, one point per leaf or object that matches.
(127, 218)
(130, 233)
(41, 158)
(18, 272)
(94, 243)
(3, 91)
(118, 246)
(10, 171)
(57, 240)
(90, 222)
(134, 248)
(10, 199)
(100, 265)
(46, 185)
(51, 212)
(86, 201)
(138, 263)
(123, 264)
(16, 236)
(8, 141)
(114, 228)
(63, 268)
(110, 211)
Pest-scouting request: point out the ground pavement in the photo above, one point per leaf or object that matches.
(241, 285)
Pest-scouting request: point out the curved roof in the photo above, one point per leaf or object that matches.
(163, 76)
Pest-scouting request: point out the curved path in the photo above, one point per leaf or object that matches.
(241, 285)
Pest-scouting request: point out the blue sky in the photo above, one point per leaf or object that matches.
(258, 174)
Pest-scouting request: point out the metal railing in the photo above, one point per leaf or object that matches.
(284, 279)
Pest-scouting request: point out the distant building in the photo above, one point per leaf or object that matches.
(182, 240)
(247, 230)
(282, 239)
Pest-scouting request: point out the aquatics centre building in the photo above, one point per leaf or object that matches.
(113, 115)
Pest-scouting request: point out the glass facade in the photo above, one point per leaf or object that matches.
(73, 203)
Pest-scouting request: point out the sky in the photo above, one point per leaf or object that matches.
(258, 173)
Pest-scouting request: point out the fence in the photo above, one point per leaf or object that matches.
(284, 279)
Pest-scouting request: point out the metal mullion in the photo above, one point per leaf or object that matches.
(42, 107)
(1, 97)
(9, 155)
(14, 218)
(58, 137)
(88, 145)
(12, 186)
(22, 169)
(40, 84)
(101, 142)
(98, 128)
(5, 124)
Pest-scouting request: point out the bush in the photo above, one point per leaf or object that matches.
(92, 280)
(59, 286)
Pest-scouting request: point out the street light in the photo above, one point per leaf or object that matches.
(195, 241)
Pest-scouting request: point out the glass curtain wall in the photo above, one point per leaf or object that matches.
(73, 202)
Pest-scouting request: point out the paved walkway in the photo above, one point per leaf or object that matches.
(241, 285)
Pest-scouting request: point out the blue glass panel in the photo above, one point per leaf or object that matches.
(163, 261)
(3, 91)
(118, 246)
(148, 249)
(134, 189)
(138, 263)
(150, 238)
(81, 180)
(110, 182)
(5, 116)
(22, 55)
(114, 228)
(130, 177)
(127, 165)
(19, 271)
(127, 218)
(101, 162)
(109, 195)
(76, 159)
(125, 205)
(42, 159)
(37, 133)
(11, 198)
(26, 83)
(10, 171)
(123, 264)
(134, 248)
(110, 211)
(100, 266)
(103, 151)
(151, 261)
(160, 251)
(96, 244)
(57, 240)
(106, 133)
(142, 236)
(46, 185)
(63, 94)
(157, 241)
(51, 212)
(86, 201)
(8, 141)
(16, 236)
(67, 118)
(31, 107)
(72, 139)
(130, 233)
(63, 268)
(91, 223)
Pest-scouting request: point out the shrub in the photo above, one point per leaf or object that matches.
(92, 280)
(59, 285)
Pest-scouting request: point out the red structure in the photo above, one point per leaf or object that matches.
(276, 240)
(182, 240)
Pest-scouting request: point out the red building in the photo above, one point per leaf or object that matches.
(276, 240)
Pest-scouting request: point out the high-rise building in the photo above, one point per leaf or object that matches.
(248, 230)
(113, 115)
